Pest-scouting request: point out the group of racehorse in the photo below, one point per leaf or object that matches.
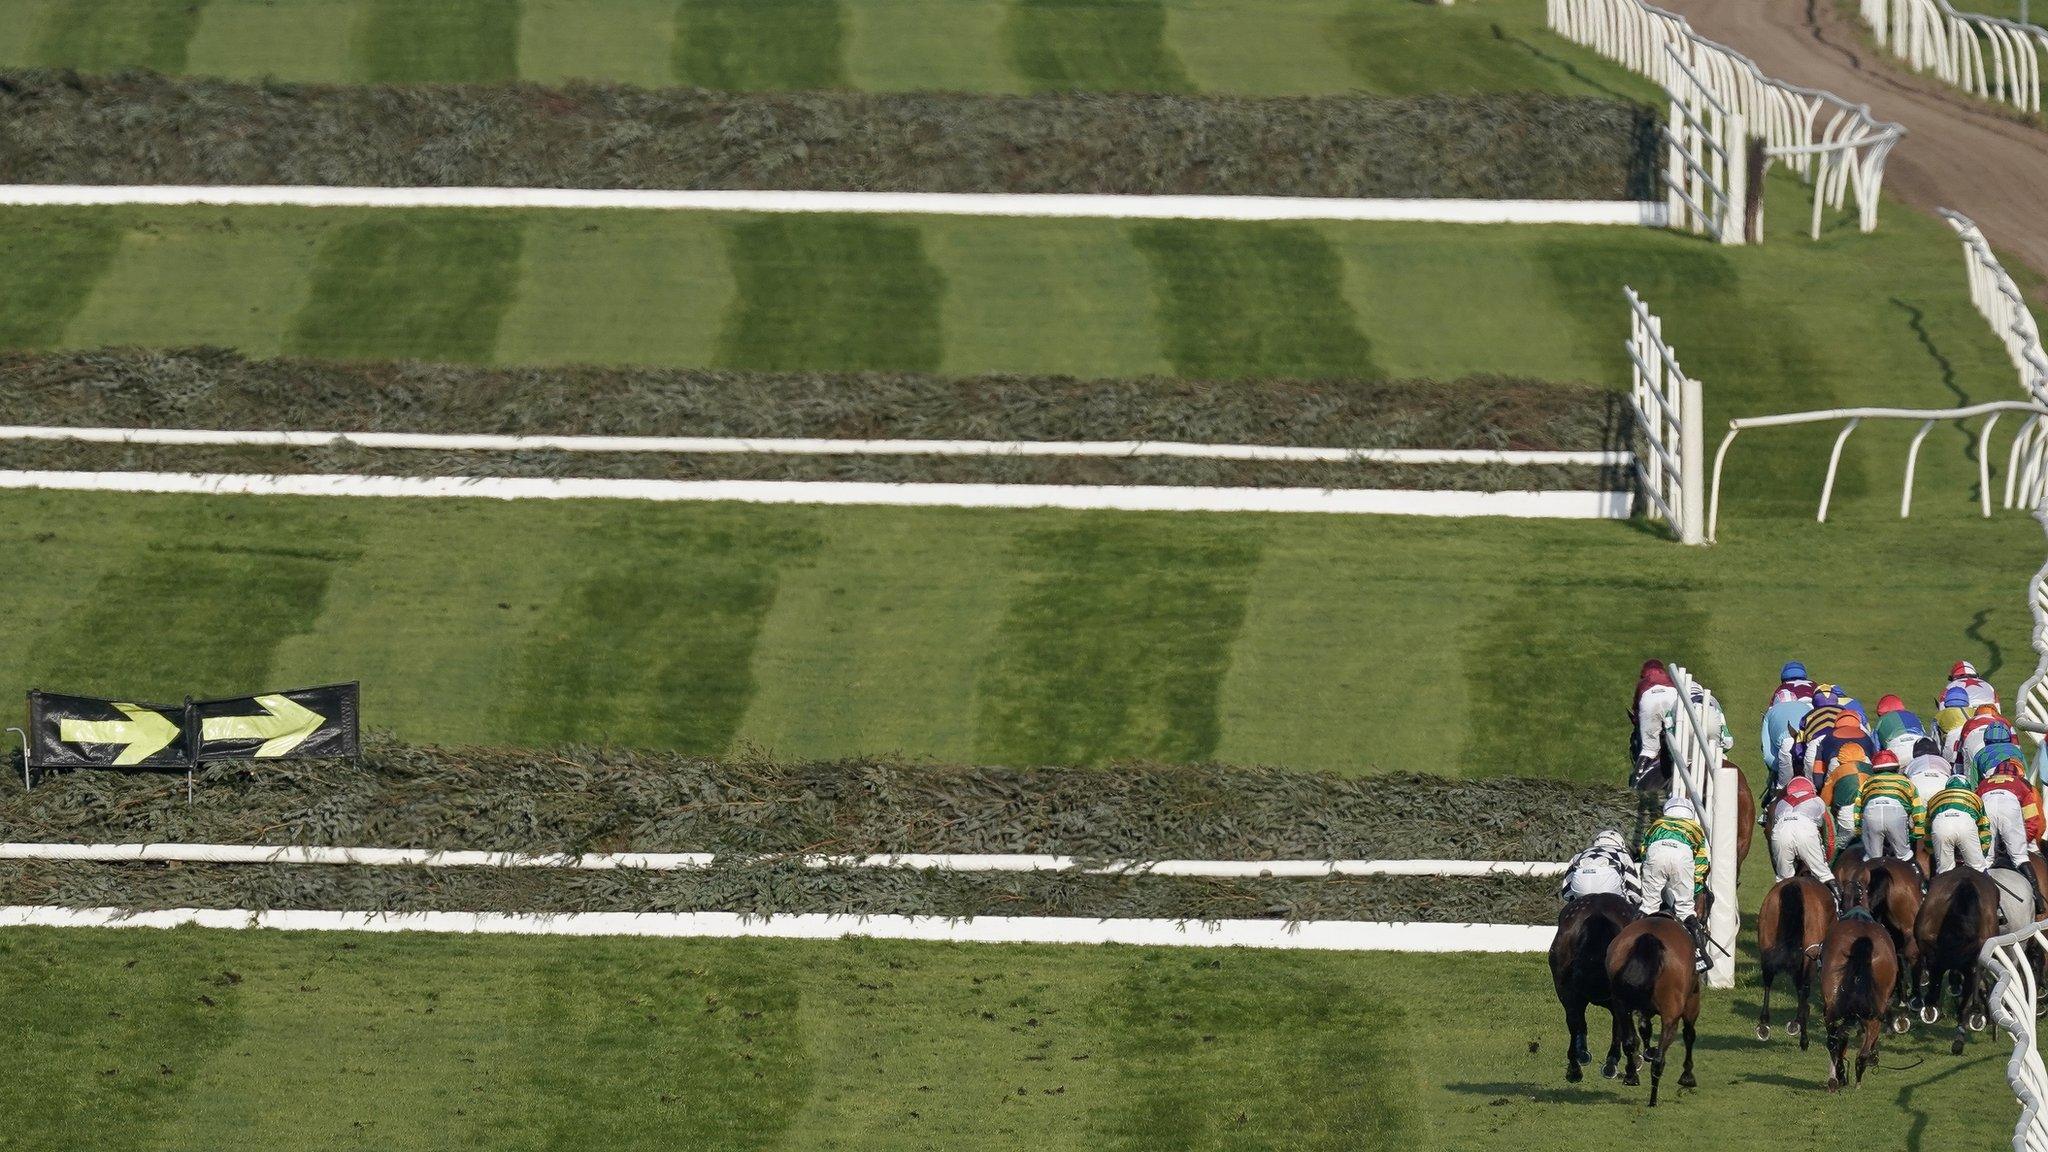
(1896, 944)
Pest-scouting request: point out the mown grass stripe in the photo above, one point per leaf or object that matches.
(622, 287)
(1260, 47)
(754, 45)
(422, 284)
(200, 600)
(302, 40)
(49, 264)
(1093, 45)
(108, 35)
(654, 645)
(250, 310)
(1242, 300)
(834, 292)
(448, 41)
(625, 41)
(912, 45)
(1117, 643)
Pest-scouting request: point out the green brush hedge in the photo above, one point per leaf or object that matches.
(142, 128)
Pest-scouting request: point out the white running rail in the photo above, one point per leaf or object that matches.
(1839, 147)
(1992, 59)
(790, 446)
(1700, 772)
(1706, 167)
(2014, 999)
(1667, 408)
(688, 861)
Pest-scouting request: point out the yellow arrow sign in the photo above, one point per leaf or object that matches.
(283, 726)
(145, 733)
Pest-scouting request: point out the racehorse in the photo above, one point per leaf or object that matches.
(1958, 915)
(1578, 970)
(1859, 969)
(1890, 889)
(1650, 973)
(1796, 914)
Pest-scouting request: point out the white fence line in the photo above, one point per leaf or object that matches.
(1667, 408)
(1837, 146)
(1993, 59)
(1700, 773)
(2032, 714)
(686, 861)
(1636, 213)
(1562, 505)
(1707, 161)
(799, 446)
(2013, 1001)
(1324, 935)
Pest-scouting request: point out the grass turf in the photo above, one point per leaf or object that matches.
(245, 1040)
(1256, 47)
(1339, 643)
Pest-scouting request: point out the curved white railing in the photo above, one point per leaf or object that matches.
(1992, 59)
(1838, 146)
(2014, 996)
(1666, 405)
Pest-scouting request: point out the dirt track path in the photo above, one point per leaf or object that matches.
(1954, 156)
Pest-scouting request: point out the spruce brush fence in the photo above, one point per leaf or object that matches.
(142, 128)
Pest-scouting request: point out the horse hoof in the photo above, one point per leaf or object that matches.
(1763, 1031)
(1977, 1022)
(1956, 1049)
(1632, 1080)
(1795, 1028)
(1609, 1071)
(1930, 1015)
(1834, 1085)
(1572, 1074)
(1687, 1081)
(1901, 1023)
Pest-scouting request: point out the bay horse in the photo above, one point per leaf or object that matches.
(1859, 971)
(1578, 970)
(1796, 915)
(1891, 892)
(1959, 914)
(1650, 973)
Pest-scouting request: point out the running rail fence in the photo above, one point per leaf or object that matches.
(1838, 147)
(1701, 774)
(1667, 409)
(2014, 997)
(1992, 59)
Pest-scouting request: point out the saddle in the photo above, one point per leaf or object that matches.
(1858, 913)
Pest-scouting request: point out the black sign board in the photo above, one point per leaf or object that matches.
(86, 732)
(301, 724)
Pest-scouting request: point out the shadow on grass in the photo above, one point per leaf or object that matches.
(1561, 64)
(1916, 1133)
(1595, 1091)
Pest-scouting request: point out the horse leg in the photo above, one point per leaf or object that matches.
(1657, 1057)
(1866, 1056)
(1685, 1077)
(1964, 1003)
(1803, 979)
(1931, 982)
(1607, 1070)
(1763, 1014)
(1838, 1043)
(1626, 1025)
(1575, 1022)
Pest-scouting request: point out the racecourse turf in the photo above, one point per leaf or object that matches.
(227, 1040)
(1256, 47)
(1355, 644)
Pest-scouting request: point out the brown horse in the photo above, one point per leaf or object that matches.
(1958, 916)
(1796, 915)
(1891, 891)
(1578, 970)
(1745, 814)
(1650, 973)
(1859, 969)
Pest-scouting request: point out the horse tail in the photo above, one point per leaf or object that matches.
(1636, 980)
(1877, 888)
(1857, 997)
(1785, 951)
(1959, 921)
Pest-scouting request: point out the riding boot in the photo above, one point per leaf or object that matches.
(2026, 871)
(1646, 766)
(1835, 890)
(1698, 932)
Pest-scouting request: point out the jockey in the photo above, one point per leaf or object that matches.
(1792, 678)
(1841, 699)
(1950, 718)
(1889, 811)
(1839, 793)
(1801, 834)
(1975, 734)
(1781, 733)
(2014, 811)
(1815, 724)
(1929, 770)
(1604, 866)
(1998, 746)
(1848, 733)
(1896, 728)
(1963, 675)
(1655, 700)
(1957, 828)
(1675, 868)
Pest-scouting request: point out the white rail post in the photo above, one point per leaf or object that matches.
(1692, 457)
(1725, 920)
